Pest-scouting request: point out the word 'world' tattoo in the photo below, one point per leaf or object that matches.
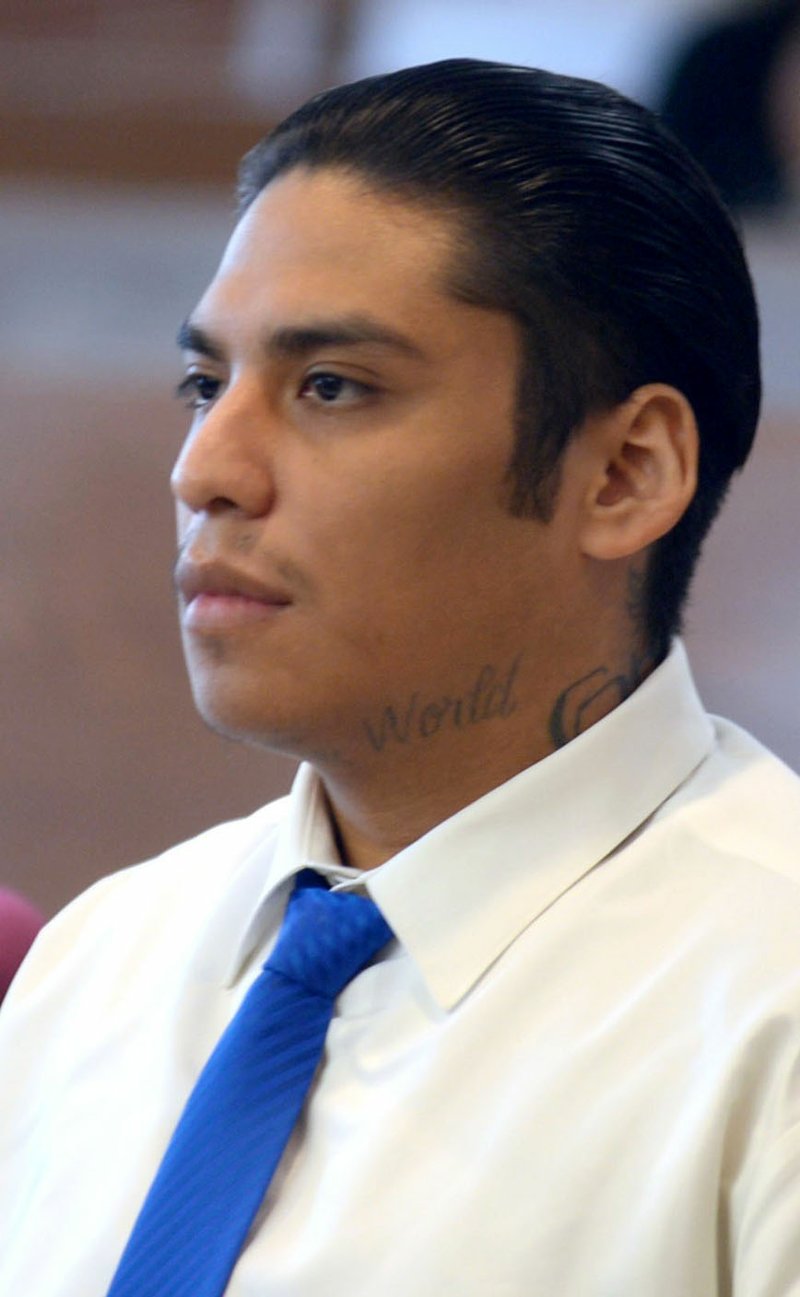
(491, 696)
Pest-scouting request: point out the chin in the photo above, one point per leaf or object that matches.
(240, 719)
(258, 722)
(240, 701)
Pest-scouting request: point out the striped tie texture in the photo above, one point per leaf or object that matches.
(238, 1118)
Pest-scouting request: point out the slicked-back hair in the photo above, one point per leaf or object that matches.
(582, 216)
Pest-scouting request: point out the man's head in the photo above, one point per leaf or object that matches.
(585, 220)
(446, 383)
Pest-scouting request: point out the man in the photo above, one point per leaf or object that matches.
(467, 391)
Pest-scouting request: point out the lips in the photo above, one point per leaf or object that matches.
(216, 594)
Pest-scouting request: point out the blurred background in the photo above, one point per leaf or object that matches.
(122, 123)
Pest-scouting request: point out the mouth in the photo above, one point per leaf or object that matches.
(215, 596)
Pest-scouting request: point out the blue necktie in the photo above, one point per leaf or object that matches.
(239, 1116)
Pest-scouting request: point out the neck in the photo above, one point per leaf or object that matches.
(424, 759)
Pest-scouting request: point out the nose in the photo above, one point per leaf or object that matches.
(225, 460)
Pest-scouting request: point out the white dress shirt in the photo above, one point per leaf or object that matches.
(576, 1073)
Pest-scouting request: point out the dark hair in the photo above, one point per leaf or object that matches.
(717, 100)
(586, 220)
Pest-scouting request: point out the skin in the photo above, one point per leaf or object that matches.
(352, 429)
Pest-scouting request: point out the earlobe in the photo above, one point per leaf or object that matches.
(646, 453)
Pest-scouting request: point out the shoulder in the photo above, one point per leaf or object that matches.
(205, 862)
(721, 858)
(169, 896)
(743, 802)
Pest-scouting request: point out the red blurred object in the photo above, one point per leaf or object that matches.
(19, 923)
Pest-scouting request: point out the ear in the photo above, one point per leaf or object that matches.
(644, 456)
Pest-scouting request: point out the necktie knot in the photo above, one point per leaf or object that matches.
(327, 937)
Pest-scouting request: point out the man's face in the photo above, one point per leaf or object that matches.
(346, 543)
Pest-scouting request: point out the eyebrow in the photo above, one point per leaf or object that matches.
(291, 341)
(191, 338)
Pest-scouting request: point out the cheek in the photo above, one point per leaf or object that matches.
(401, 525)
(404, 564)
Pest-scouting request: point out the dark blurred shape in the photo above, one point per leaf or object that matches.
(19, 923)
(726, 98)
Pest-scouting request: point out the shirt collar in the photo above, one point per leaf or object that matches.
(460, 895)
(305, 838)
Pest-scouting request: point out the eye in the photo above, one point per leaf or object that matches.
(333, 389)
(198, 390)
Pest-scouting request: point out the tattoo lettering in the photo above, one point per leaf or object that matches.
(491, 696)
(590, 697)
